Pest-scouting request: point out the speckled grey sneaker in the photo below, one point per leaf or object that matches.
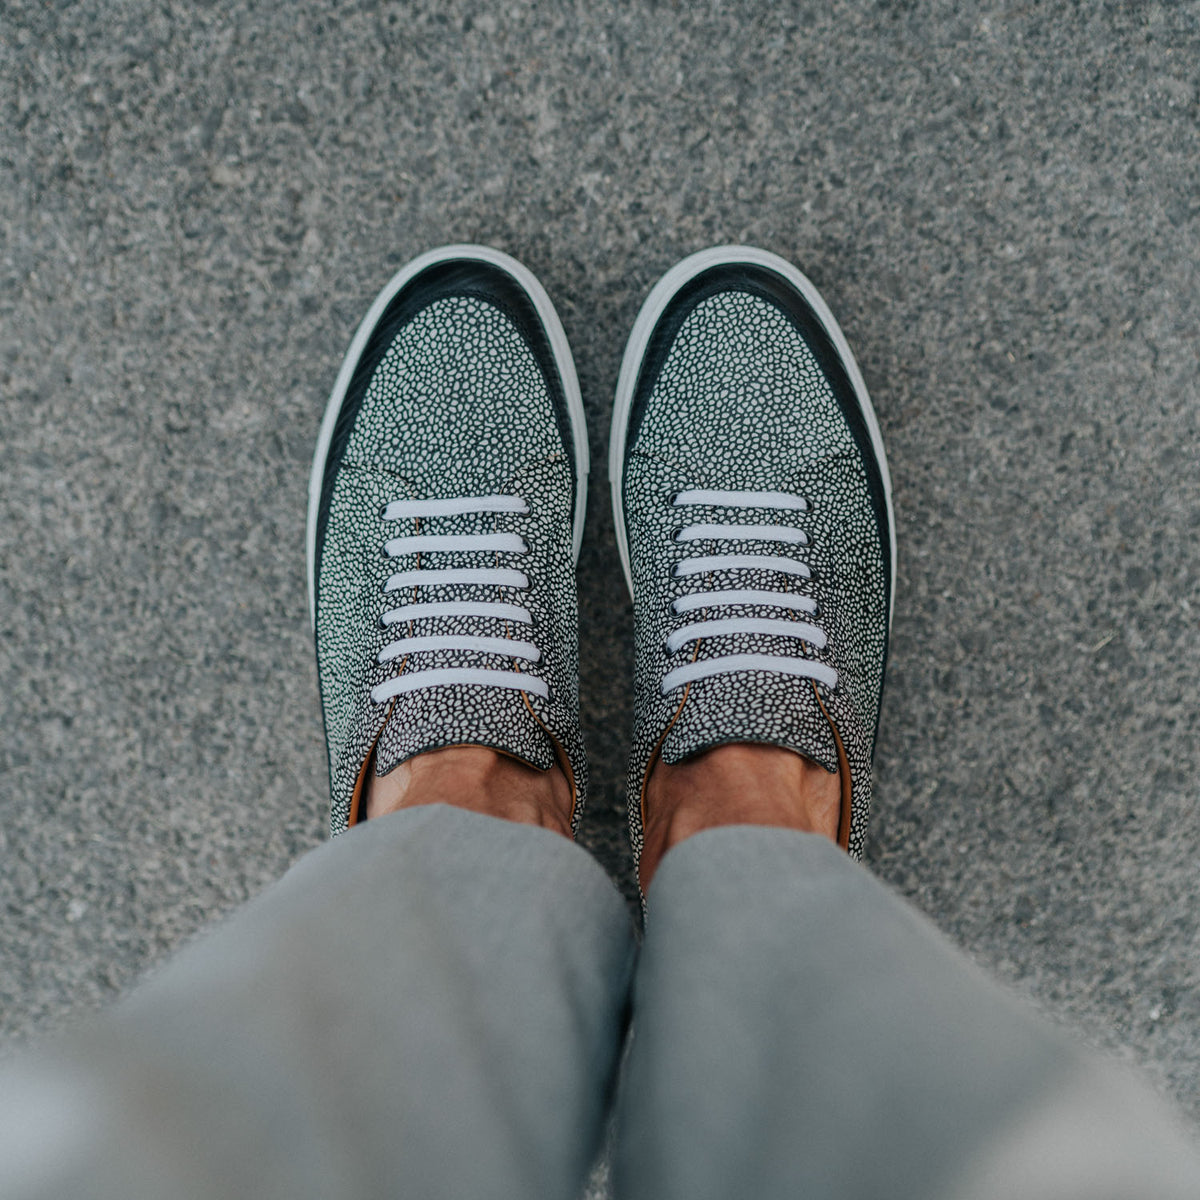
(445, 511)
(754, 521)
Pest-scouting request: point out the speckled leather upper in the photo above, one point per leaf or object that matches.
(741, 403)
(458, 406)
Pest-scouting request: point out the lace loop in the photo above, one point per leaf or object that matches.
(457, 608)
(462, 576)
(779, 501)
(744, 533)
(453, 506)
(778, 628)
(462, 543)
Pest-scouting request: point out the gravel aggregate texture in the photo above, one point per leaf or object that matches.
(1001, 204)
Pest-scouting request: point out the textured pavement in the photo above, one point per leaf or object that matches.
(1000, 202)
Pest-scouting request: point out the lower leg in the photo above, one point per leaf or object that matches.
(800, 1031)
(425, 983)
(479, 779)
(737, 784)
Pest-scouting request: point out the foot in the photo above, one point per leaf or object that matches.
(478, 779)
(445, 511)
(753, 516)
(738, 784)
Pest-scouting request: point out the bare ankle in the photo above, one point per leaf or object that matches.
(738, 784)
(478, 779)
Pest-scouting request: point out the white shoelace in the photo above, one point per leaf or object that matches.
(467, 577)
(711, 626)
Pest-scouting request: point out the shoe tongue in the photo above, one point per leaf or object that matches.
(432, 718)
(751, 706)
(755, 706)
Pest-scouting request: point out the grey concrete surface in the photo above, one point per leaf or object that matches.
(1001, 202)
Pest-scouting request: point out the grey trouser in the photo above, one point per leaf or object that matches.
(434, 1006)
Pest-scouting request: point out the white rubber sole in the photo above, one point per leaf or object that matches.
(558, 348)
(635, 349)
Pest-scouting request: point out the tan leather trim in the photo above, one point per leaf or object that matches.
(687, 691)
(358, 808)
(563, 761)
(847, 783)
(656, 752)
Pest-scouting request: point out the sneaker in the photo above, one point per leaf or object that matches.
(754, 522)
(445, 511)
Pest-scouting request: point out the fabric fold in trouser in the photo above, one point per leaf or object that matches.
(801, 1032)
(432, 1006)
(429, 1006)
